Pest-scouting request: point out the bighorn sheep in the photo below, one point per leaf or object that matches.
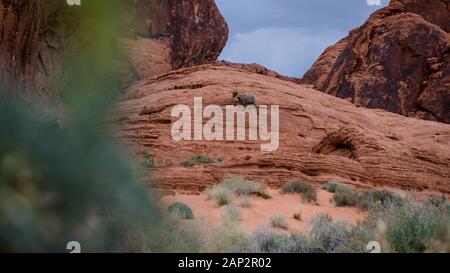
(245, 99)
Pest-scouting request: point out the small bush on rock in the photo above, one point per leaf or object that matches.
(334, 186)
(369, 198)
(221, 195)
(278, 221)
(306, 191)
(345, 197)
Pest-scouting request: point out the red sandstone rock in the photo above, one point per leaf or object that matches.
(399, 60)
(30, 48)
(196, 28)
(322, 138)
(162, 35)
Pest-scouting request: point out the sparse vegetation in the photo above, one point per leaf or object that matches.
(197, 160)
(229, 237)
(330, 236)
(437, 201)
(148, 161)
(231, 213)
(224, 192)
(369, 198)
(240, 186)
(334, 186)
(406, 227)
(278, 221)
(326, 236)
(221, 195)
(345, 197)
(306, 191)
(264, 194)
(245, 202)
(265, 240)
(410, 227)
(182, 210)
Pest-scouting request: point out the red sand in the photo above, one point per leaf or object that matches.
(208, 214)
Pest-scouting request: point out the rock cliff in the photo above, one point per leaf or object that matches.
(399, 60)
(322, 137)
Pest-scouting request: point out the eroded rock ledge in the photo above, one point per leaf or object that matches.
(322, 137)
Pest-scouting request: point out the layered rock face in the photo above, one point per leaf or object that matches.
(31, 46)
(199, 32)
(322, 138)
(158, 36)
(399, 60)
(196, 29)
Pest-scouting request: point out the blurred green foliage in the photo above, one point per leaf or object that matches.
(72, 183)
(182, 210)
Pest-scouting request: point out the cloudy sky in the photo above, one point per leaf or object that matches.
(289, 35)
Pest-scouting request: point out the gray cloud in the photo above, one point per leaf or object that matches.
(288, 35)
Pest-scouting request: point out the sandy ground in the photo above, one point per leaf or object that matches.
(208, 215)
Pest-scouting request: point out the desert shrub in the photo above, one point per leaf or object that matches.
(240, 186)
(197, 160)
(231, 213)
(264, 240)
(298, 216)
(168, 235)
(408, 234)
(344, 197)
(440, 243)
(245, 202)
(358, 237)
(306, 191)
(436, 201)
(182, 210)
(264, 194)
(267, 241)
(409, 227)
(334, 186)
(293, 186)
(369, 198)
(229, 237)
(221, 195)
(328, 234)
(278, 221)
(148, 161)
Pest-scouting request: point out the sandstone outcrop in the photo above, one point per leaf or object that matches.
(399, 60)
(172, 34)
(158, 36)
(322, 137)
